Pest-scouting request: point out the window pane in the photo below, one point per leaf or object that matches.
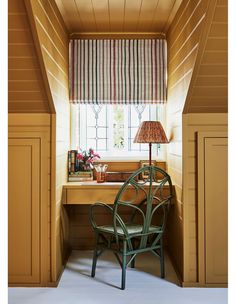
(102, 117)
(91, 143)
(118, 127)
(145, 115)
(144, 147)
(101, 145)
(91, 132)
(133, 132)
(102, 132)
(112, 128)
(134, 120)
(90, 117)
(135, 147)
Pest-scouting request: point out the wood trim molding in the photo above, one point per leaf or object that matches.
(121, 35)
(201, 199)
(53, 199)
(40, 55)
(192, 284)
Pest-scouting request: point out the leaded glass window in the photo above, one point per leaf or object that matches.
(110, 129)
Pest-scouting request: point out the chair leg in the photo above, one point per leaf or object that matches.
(133, 263)
(162, 260)
(123, 265)
(95, 257)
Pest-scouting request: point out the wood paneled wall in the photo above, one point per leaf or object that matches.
(29, 199)
(209, 85)
(51, 39)
(193, 123)
(183, 38)
(25, 83)
(197, 71)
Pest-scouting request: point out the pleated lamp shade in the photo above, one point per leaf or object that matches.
(151, 132)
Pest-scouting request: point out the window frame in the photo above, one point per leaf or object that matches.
(159, 154)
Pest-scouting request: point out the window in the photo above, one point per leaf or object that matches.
(110, 129)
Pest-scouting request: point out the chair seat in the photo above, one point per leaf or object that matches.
(132, 229)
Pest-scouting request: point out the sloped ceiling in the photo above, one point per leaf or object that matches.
(118, 16)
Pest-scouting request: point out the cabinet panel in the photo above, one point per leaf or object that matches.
(24, 210)
(216, 188)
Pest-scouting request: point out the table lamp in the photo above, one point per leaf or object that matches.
(150, 132)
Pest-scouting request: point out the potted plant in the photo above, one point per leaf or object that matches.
(85, 159)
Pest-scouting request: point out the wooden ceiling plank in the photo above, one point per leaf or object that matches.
(172, 14)
(146, 15)
(101, 14)
(137, 16)
(70, 15)
(85, 8)
(161, 14)
(132, 10)
(116, 12)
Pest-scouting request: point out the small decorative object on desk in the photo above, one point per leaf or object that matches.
(143, 163)
(80, 165)
(119, 176)
(101, 172)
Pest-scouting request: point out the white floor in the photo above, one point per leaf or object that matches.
(143, 286)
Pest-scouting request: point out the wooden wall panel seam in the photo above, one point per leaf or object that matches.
(51, 23)
(186, 23)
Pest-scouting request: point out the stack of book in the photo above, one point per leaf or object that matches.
(72, 161)
(80, 176)
(74, 175)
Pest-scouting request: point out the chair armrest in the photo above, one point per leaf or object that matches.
(91, 212)
(110, 209)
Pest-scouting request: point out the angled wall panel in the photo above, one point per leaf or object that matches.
(25, 83)
(183, 39)
(209, 87)
(51, 39)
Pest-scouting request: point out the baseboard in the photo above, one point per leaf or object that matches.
(67, 255)
(55, 283)
(47, 284)
(27, 285)
(200, 285)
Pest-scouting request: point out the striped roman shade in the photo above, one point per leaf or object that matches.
(118, 71)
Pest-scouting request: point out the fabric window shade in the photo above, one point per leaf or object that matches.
(118, 71)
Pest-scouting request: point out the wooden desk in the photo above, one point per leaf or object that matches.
(77, 196)
(86, 193)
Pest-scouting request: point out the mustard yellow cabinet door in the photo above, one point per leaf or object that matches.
(216, 202)
(24, 210)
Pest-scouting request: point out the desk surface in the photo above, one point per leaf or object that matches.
(90, 192)
(92, 184)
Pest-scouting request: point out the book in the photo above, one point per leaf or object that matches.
(72, 158)
(79, 178)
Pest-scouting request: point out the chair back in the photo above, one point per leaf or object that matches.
(149, 198)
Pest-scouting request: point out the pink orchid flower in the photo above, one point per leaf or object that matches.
(80, 156)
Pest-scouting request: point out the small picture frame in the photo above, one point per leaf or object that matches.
(144, 163)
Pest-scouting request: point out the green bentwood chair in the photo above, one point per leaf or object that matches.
(142, 230)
